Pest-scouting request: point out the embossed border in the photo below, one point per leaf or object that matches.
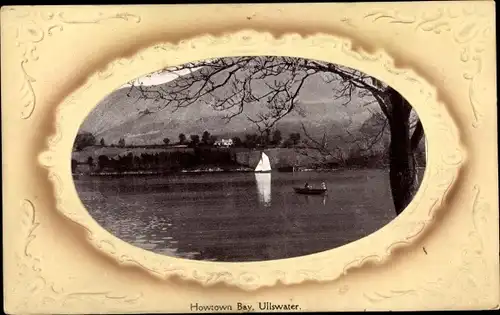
(454, 265)
(444, 159)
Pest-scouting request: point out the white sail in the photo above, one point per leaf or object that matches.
(264, 165)
(264, 187)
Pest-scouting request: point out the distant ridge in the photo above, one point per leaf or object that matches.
(118, 115)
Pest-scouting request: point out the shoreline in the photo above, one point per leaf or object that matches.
(203, 171)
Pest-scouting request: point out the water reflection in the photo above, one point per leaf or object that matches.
(313, 200)
(264, 188)
(212, 216)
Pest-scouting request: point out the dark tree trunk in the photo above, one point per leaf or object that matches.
(403, 171)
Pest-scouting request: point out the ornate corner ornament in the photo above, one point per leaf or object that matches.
(444, 160)
(469, 29)
(36, 27)
(43, 291)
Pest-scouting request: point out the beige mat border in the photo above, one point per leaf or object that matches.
(50, 88)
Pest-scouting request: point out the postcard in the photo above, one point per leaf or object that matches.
(250, 158)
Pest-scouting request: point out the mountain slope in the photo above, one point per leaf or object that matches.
(118, 115)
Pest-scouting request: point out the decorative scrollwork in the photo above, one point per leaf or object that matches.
(468, 28)
(33, 30)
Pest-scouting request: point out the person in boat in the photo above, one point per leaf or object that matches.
(323, 185)
(307, 186)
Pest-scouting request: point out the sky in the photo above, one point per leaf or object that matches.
(160, 77)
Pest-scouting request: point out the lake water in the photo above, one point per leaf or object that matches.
(239, 216)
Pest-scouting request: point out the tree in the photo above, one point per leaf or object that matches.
(237, 142)
(420, 155)
(166, 141)
(121, 142)
(263, 139)
(213, 139)
(251, 140)
(102, 162)
(277, 137)
(83, 140)
(294, 138)
(228, 85)
(205, 138)
(102, 142)
(182, 138)
(195, 140)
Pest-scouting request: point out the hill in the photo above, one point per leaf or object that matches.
(119, 114)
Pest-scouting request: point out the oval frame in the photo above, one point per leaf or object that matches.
(445, 156)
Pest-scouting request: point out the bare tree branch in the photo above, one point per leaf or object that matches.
(230, 84)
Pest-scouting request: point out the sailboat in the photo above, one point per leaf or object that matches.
(263, 178)
(264, 166)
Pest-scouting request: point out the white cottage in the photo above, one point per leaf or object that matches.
(224, 143)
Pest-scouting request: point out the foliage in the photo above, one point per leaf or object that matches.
(82, 140)
(121, 142)
(237, 142)
(205, 138)
(165, 161)
(213, 139)
(182, 138)
(295, 138)
(195, 140)
(277, 137)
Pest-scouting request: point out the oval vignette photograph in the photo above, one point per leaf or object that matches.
(243, 159)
